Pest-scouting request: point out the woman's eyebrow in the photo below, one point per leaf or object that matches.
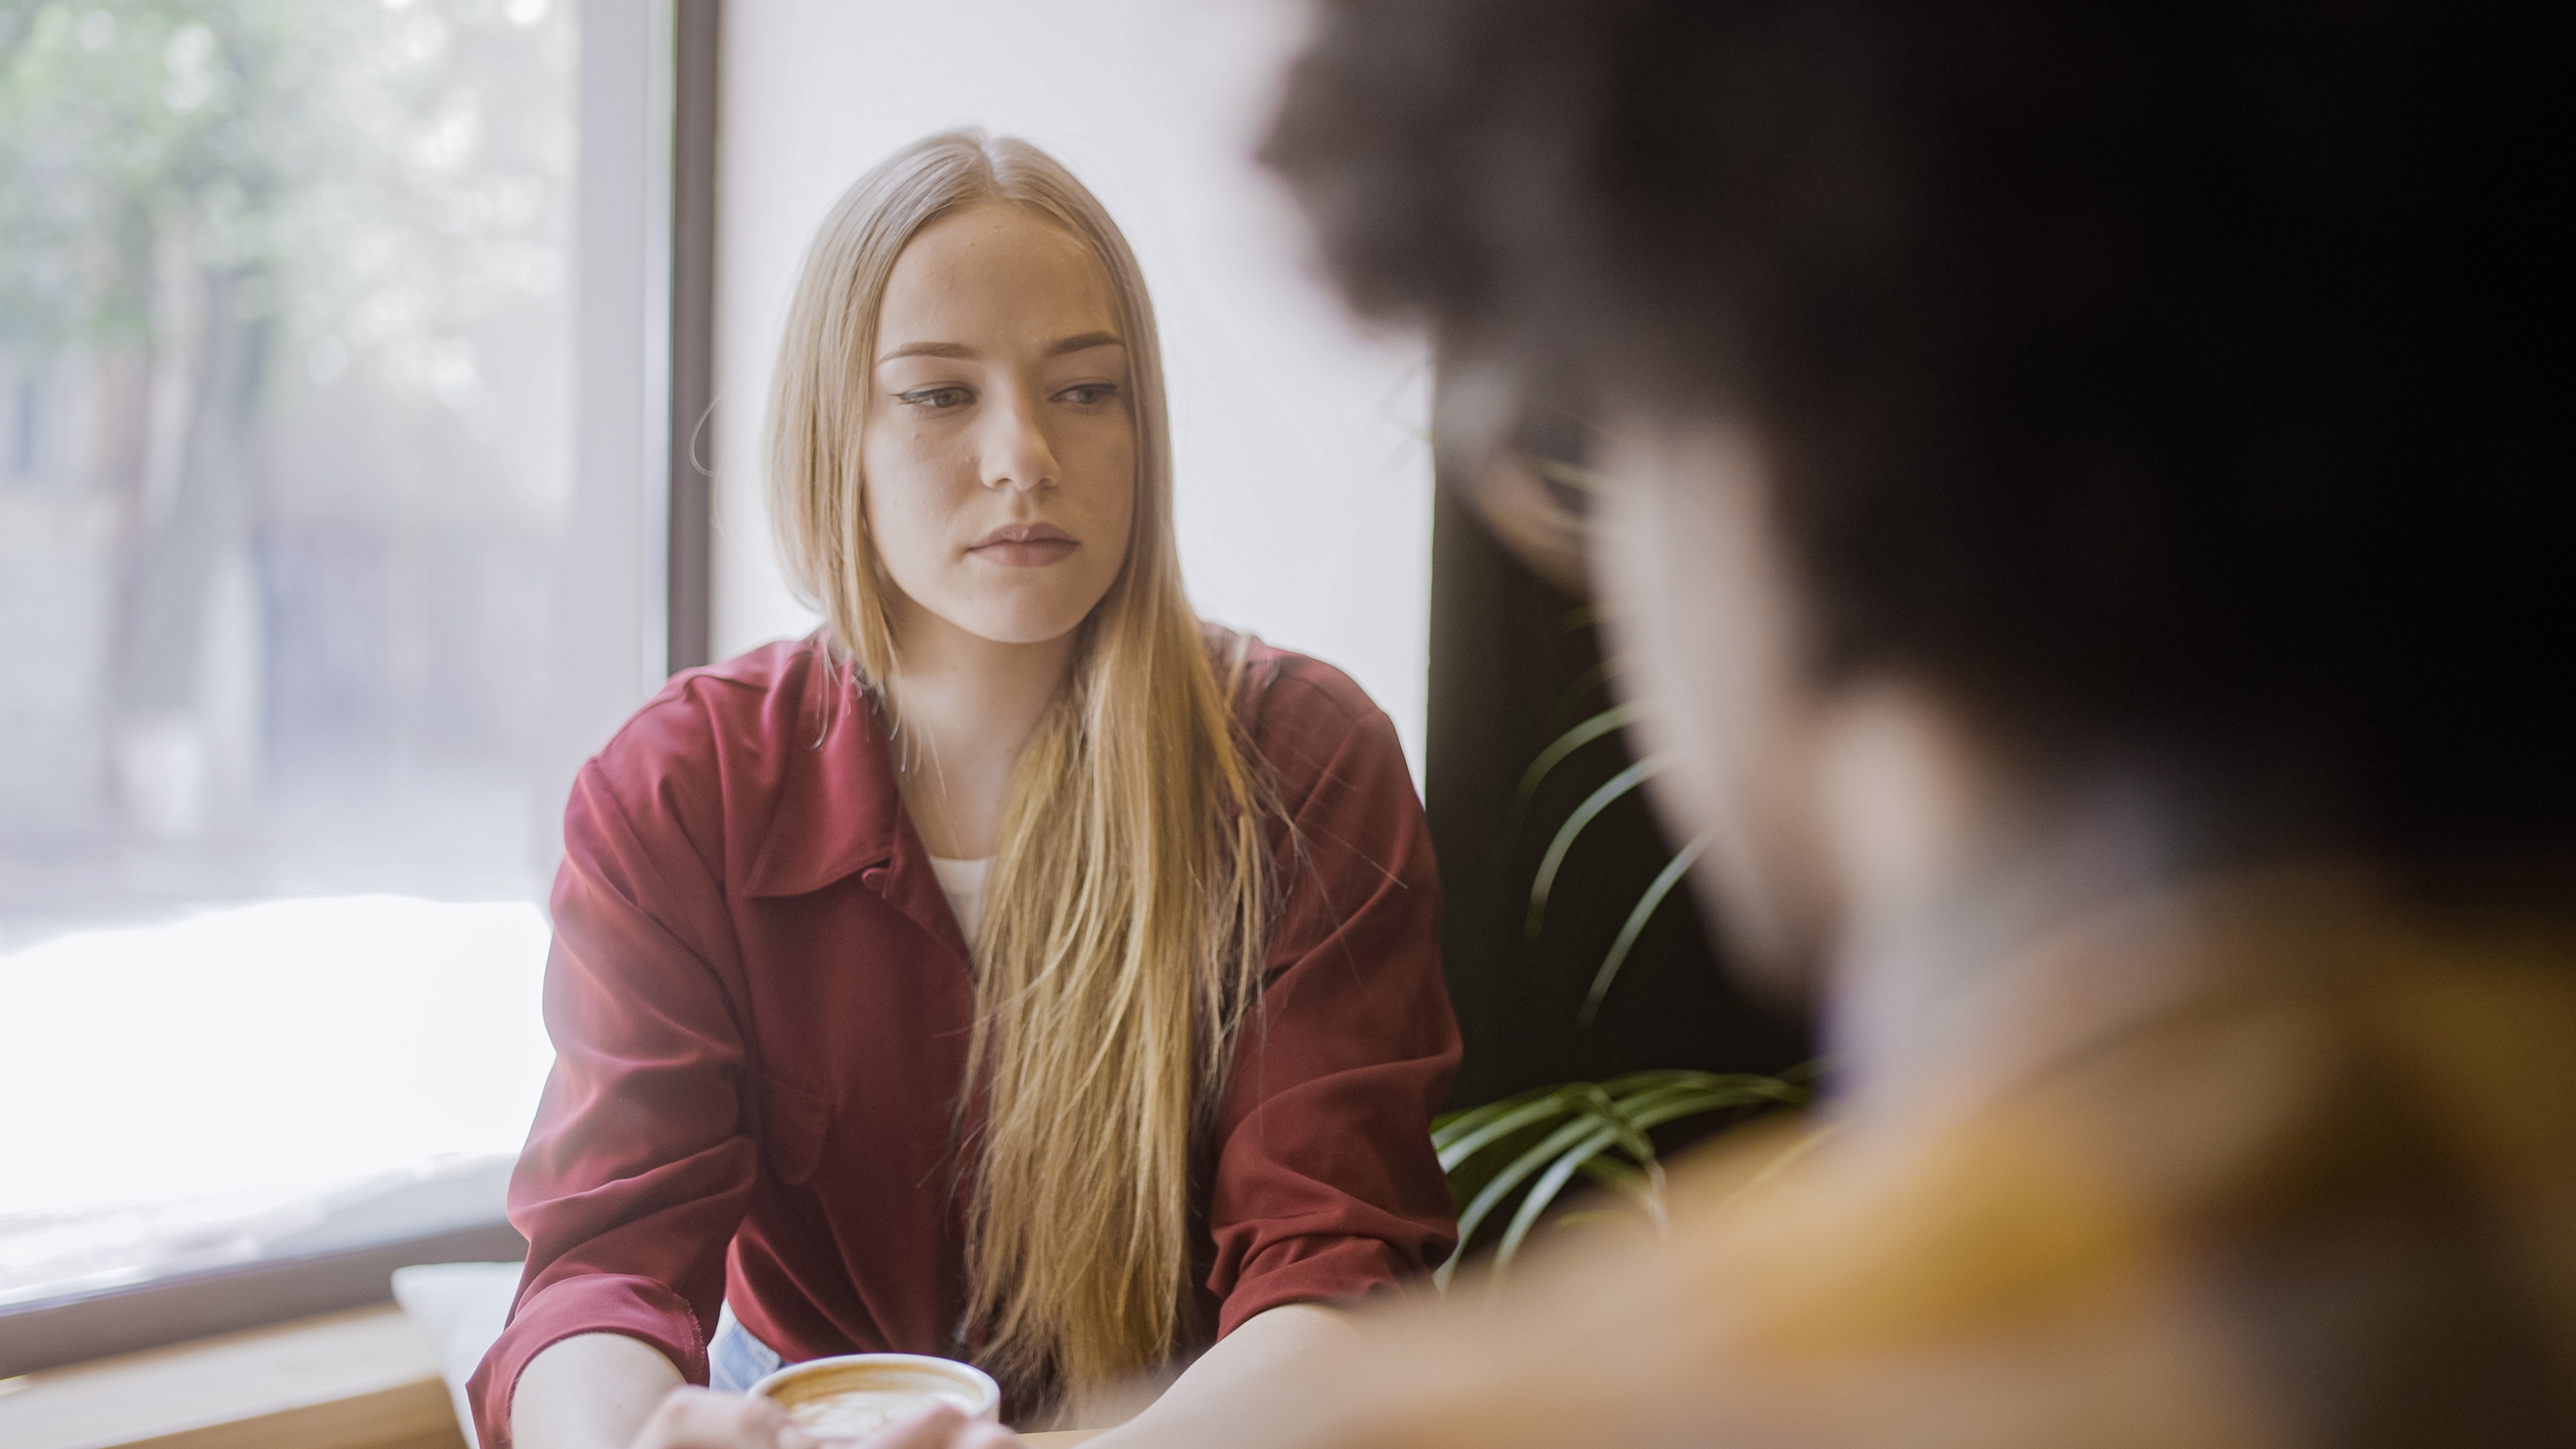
(930, 349)
(1079, 342)
(1084, 342)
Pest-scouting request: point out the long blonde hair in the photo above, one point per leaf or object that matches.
(1122, 938)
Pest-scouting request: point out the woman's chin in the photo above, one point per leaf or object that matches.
(1022, 624)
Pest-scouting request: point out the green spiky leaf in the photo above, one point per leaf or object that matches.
(1584, 814)
(1607, 722)
(1599, 1131)
(1570, 699)
(1644, 911)
(1551, 1182)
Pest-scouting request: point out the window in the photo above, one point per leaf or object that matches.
(287, 499)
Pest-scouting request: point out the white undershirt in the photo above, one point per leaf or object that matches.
(962, 881)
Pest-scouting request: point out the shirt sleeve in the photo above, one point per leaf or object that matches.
(1325, 1183)
(638, 1168)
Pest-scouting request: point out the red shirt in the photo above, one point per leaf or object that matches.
(760, 1002)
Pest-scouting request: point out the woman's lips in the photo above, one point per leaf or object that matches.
(1024, 545)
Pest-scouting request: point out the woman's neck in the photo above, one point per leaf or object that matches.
(964, 706)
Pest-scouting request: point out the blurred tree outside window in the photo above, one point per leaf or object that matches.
(284, 469)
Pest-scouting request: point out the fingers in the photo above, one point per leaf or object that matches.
(943, 1427)
(693, 1418)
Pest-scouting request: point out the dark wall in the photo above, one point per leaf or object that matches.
(1513, 664)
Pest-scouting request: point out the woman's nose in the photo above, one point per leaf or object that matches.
(1016, 451)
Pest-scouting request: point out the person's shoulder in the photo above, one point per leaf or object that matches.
(1293, 689)
(711, 725)
(1301, 713)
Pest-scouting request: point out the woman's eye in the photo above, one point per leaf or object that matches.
(1089, 394)
(936, 399)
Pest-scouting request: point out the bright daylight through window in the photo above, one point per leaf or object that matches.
(284, 471)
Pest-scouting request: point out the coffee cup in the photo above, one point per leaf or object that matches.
(855, 1395)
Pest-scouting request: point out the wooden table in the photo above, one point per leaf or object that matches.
(364, 1379)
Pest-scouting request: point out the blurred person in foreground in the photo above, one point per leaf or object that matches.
(2071, 496)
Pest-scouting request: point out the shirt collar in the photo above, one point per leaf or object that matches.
(838, 811)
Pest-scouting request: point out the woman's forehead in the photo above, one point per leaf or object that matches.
(994, 274)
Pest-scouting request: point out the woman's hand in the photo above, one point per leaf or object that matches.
(694, 1418)
(943, 1427)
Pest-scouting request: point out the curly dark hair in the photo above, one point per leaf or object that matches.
(2155, 375)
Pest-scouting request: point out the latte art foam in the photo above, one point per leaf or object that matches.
(857, 1395)
(854, 1412)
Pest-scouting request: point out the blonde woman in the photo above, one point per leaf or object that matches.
(1017, 970)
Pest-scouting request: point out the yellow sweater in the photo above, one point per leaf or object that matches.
(2272, 1165)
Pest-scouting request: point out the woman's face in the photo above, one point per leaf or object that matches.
(1000, 452)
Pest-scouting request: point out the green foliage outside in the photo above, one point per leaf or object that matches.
(272, 265)
(351, 169)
